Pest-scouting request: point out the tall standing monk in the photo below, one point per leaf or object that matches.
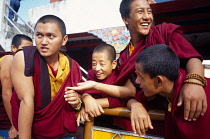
(137, 16)
(40, 75)
(18, 42)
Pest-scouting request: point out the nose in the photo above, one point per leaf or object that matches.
(44, 41)
(97, 67)
(145, 15)
(138, 80)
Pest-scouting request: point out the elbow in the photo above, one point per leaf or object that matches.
(6, 97)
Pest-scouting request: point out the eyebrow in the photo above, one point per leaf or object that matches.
(142, 8)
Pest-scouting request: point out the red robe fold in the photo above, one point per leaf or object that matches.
(175, 125)
(169, 34)
(58, 117)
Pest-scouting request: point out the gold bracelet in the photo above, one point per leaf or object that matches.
(197, 77)
(191, 82)
(78, 107)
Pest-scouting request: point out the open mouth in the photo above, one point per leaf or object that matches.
(44, 49)
(145, 25)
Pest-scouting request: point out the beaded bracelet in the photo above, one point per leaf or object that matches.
(197, 77)
(191, 82)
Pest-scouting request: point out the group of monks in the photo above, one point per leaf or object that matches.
(42, 87)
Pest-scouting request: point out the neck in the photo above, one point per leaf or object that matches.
(168, 90)
(53, 61)
(136, 39)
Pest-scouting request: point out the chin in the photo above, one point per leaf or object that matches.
(147, 95)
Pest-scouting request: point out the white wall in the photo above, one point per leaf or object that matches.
(81, 15)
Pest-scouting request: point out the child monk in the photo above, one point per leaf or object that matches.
(101, 84)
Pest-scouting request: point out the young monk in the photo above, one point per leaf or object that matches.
(100, 85)
(159, 75)
(40, 75)
(137, 16)
(18, 42)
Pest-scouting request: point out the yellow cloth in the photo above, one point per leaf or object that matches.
(63, 71)
(131, 48)
(1, 58)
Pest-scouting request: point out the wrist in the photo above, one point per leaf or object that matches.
(136, 104)
(78, 106)
(97, 86)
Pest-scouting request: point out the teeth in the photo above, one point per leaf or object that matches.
(144, 24)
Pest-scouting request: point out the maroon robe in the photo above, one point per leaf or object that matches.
(175, 125)
(56, 118)
(113, 102)
(169, 34)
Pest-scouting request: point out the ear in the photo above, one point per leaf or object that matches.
(125, 20)
(159, 81)
(13, 48)
(114, 64)
(65, 40)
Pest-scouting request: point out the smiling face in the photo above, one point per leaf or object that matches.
(145, 82)
(102, 66)
(140, 18)
(48, 39)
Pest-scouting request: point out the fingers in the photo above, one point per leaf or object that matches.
(78, 120)
(13, 134)
(198, 111)
(180, 100)
(140, 126)
(204, 104)
(150, 123)
(133, 126)
(193, 106)
(186, 109)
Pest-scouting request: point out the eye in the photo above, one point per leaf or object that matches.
(93, 63)
(140, 11)
(51, 36)
(39, 35)
(149, 11)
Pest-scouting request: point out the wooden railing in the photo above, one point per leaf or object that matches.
(122, 112)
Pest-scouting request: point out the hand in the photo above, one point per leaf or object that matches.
(82, 116)
(88, 85)
(13, 133)
(140, 119)
(92, 107)
(195, 103)
(72, 97)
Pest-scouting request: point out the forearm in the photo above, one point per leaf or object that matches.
(194, 65)
(25, 119)
(103, 102)
(6, 100)
(115, 91)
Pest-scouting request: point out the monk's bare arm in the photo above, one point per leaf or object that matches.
(6, 83)
(125, 91)
(25, 91)
(193, 96)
